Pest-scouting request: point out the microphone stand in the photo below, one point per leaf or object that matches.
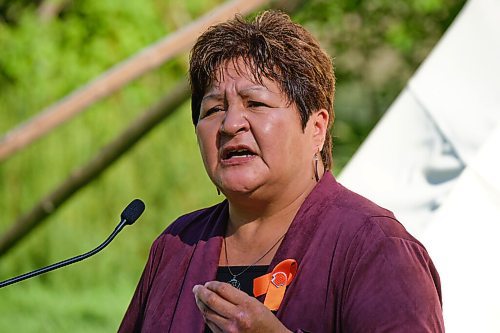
(66, 262)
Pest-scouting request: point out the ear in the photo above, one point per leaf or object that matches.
(319, 121)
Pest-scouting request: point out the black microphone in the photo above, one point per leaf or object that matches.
(129, 215)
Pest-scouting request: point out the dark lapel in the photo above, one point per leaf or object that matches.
(304, 226)
(202, 268)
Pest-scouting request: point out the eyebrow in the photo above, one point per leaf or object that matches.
(242, 92)
(212, 96)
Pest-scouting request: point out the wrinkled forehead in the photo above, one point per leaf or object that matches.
(244, 68)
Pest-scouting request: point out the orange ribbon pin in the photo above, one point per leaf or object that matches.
(274, 284)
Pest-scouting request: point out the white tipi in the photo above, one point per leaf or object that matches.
(434, 159)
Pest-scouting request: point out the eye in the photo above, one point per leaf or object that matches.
(212, 110)
(256, 104)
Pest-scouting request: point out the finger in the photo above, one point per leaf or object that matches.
(228, 292)
(213, 319)
(214, 328)
(206, 298)
(199, 303)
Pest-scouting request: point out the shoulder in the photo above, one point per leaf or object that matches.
(330, 195)
(383, 275)
(177, 240)
(193, 220)
(370, 220)
(353, 220)
(353, 213)
(193, 226)
(389, 278)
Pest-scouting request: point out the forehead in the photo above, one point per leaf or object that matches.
(243, 74)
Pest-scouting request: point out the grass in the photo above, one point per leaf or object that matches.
(63, 309)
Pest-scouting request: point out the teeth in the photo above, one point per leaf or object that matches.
(238, 153)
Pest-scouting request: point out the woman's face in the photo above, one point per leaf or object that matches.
(250, 137)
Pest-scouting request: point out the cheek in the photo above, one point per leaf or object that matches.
(269, 126)
(206, 144)
(281, 130)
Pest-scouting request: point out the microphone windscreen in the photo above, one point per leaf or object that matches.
(132, 212)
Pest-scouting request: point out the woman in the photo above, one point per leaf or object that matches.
(290, 249)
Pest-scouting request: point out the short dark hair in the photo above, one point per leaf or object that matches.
(274, 47)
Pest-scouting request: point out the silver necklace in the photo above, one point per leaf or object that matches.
(234, 281)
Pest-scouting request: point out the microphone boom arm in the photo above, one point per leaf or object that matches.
(66, 262)
(129, 215)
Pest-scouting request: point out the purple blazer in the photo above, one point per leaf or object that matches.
(359, 270)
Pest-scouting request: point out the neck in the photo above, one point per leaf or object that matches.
(255, 225)
(257, 214)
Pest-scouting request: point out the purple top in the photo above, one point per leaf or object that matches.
(359, 270)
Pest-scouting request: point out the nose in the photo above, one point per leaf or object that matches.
(234, 121)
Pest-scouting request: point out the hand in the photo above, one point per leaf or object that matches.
(227, 309)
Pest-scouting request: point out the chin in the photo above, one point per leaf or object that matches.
(243, 184)
(240, 187)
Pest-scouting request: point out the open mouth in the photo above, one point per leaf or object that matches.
(237, 153)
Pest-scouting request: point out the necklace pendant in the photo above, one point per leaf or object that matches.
(235, 283)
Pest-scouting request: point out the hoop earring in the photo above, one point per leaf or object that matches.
(316, 175)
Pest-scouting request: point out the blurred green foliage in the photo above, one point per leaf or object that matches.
(49, 48)
(376, 46)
